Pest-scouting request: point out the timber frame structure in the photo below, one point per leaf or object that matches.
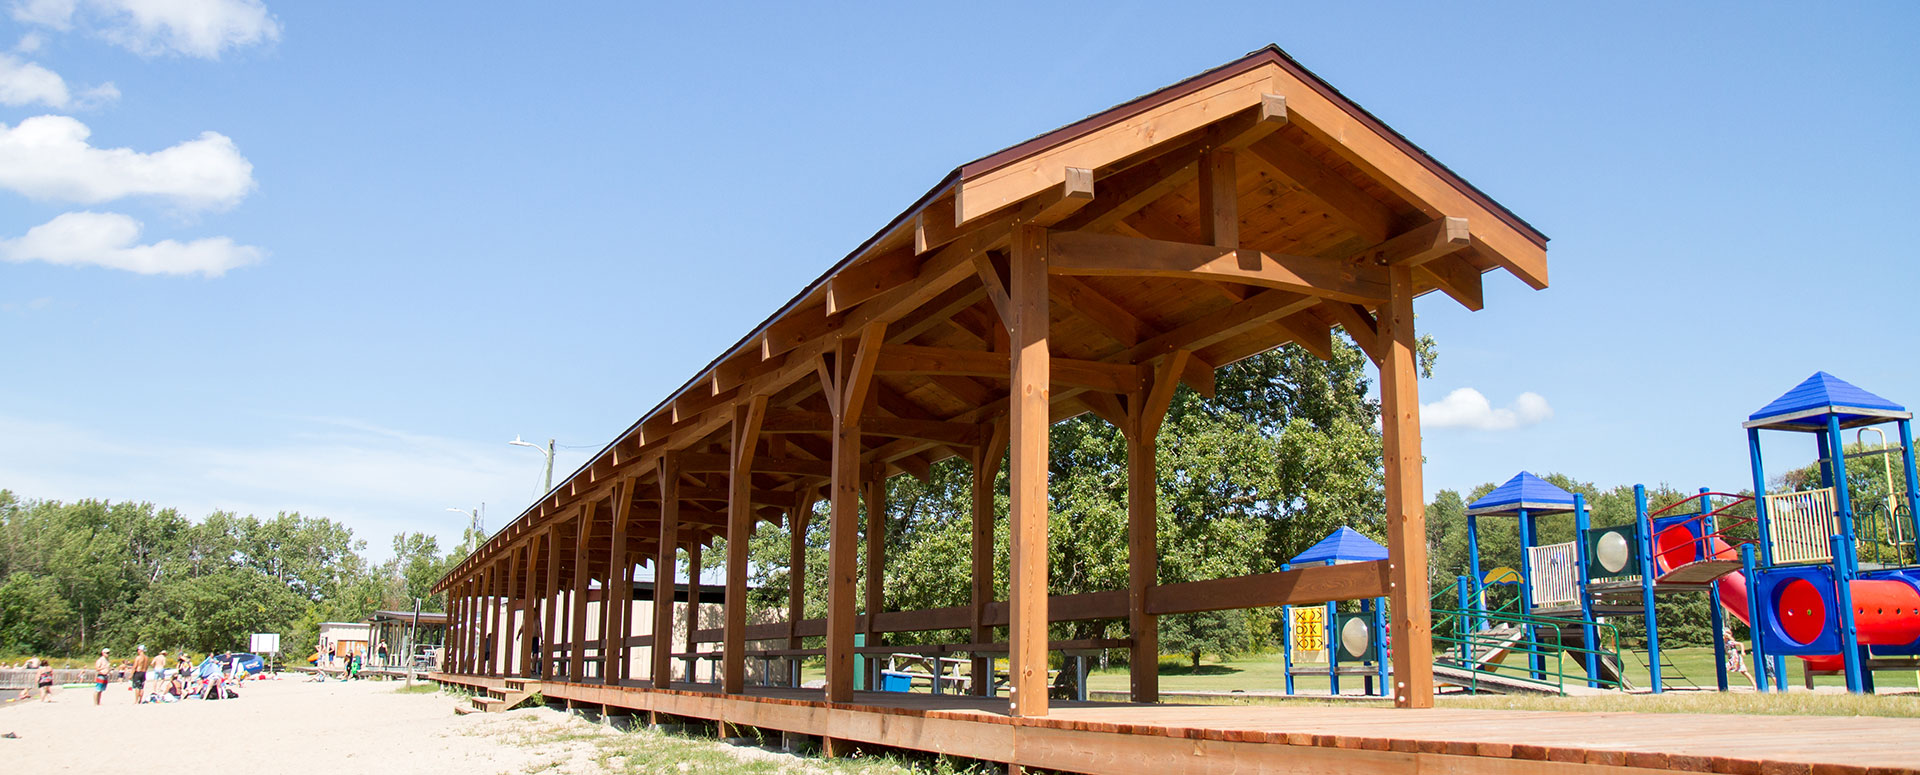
(1091, 269)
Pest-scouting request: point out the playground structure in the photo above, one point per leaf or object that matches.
(1791, 571)
(1324, 640)
(1812, 596)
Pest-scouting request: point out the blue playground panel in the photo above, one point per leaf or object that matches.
(1772, 584)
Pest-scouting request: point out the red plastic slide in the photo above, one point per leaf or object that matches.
(1886, 612)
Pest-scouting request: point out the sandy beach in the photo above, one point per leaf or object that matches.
(289, 726)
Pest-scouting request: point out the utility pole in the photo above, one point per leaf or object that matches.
(546, 484)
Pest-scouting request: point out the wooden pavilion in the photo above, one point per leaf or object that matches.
(1092, 269)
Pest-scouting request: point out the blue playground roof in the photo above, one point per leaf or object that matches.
(1344, 545)
(1806, 406)
(1523, 491)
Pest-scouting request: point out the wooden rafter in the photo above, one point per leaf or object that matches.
(1105, 255)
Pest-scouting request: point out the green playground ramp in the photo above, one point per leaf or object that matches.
(1475, 644)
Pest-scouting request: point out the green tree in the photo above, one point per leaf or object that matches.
(32, 614)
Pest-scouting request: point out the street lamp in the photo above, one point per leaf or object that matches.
(546, 485)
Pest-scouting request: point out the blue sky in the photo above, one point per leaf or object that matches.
(418, 230)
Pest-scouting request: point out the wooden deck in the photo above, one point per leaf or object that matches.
(1095, 737)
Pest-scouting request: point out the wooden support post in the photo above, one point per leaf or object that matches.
(841, 565)
(986, 468)
(1027, 437)
(477, 618)
(510, 603)
(613, 611)
(482, 605)
(493, 619)
(1146, 411)
(663, 568)
(450, 654)
(1143, 563)
(746, 439)
(850, 379)
(474, 606)
(469, 665)
(1219, 201)
(577, 611)
(550, 619)
(798, 520)
(693, 604)
(1406, 513)
(531, 591)
(454, 658)
(875, 496)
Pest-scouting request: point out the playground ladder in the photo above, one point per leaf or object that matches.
(1669, 672)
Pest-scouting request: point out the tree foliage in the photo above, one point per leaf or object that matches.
(91, 573)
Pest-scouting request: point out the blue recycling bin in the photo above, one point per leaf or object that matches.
(893, 681)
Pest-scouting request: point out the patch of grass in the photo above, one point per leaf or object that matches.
(419, 688)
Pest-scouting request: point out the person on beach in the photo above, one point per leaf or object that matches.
(137, 673)
(157, 675)
(102, 670)
(45, 681)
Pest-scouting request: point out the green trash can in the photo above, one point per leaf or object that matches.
(859, 663)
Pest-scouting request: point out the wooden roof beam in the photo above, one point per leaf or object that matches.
(1106, 315)
(1128, 192)
(870, 278)
(1109, 255)
(1360, 326)
(938, 223)
(764, 464)
(1220, 325)
(795, 421)
(914, 359)
(989, 190)
(720, 494)
(1416, 246)
(1498, 236)
(1310, 332)
(1368, 217)
(1455, 277)
(945, 268)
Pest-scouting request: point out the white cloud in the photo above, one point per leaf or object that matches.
(108, 239)
(49, 157)
(1467, 408)
(29, 43)
(57, 14)
(25, 83)
(196, 28)
(377, 481)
